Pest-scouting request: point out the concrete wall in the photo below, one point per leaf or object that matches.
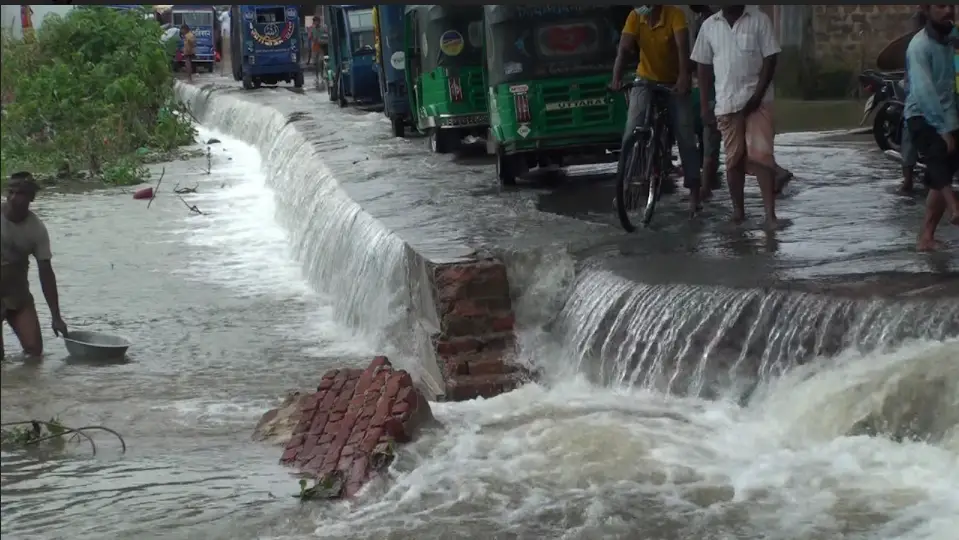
(825, 46)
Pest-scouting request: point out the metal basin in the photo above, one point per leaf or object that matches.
(96, 345)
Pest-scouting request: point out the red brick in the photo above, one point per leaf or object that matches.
(309, 404)
(382, 412)
(360, 469)
(488, 366)
(400, 408)
(342, 403)
(303, 426)
(395, 429)
(344, 463)
(353, 488)
(404, 393)
(331, 374)
(380, 362)
(454, 367)
(328, 401)
(371, 439)
(338, 384)
(319, 422)
(325, 384)
(326, 438)
(504, 323)
(336, 417)
(289, 455)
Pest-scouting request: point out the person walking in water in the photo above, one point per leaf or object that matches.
(22, 235)
(737, 51)
(932, 116)
(189, 50)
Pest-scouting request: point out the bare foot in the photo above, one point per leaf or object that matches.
(771, 224)
(906, 188)
(927, 245)
(955, 219)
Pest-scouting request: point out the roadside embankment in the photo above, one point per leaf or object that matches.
(454, 302)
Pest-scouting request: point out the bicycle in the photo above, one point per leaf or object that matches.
(645, 158)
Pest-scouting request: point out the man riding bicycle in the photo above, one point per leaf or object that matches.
(661, 34)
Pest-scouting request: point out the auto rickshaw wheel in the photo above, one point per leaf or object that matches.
(298, 79)
(506, 167)
(399, 126)
(444, 141)
(248, 82)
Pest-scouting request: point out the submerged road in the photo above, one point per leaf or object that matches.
(671, 405)
(845, 228)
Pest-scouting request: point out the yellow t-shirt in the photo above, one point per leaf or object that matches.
(189, 43)
(658, 58)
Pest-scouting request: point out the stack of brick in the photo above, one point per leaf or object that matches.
(475, 346)
(349, 426)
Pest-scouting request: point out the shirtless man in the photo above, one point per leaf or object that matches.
(22, 234)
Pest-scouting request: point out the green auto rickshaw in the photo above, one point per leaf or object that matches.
(443, 48)
(547, 71)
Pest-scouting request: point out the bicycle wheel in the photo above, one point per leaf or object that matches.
(633, 193)
(660, 162)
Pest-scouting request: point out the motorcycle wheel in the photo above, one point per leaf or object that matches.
(887, 126)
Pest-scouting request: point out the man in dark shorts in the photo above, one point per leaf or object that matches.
(22, 235)
(189, 50)
(932, 116)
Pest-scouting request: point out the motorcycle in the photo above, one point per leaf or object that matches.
(888, 95)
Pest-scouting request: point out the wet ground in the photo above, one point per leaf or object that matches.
(842, 218)
(667, 410)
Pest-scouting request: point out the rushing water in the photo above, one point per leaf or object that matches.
(640, 428)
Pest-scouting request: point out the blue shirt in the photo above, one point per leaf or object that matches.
(932, 83)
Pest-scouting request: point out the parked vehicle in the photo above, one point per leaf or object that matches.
(265, 45)
(547, 70)
(202, 21)
(886, 103)
(391, 63)
(443, 50)
(352, 53)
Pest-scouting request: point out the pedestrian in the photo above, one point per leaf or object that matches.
(22, 235)
(909, 154)
(661, 36)
(932, 116)
(737, 51)
(709, 136)
(189, 50)
(315, 47)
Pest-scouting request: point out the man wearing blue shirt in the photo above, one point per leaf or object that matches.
(932, 116)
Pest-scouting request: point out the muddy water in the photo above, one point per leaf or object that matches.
(233, 307)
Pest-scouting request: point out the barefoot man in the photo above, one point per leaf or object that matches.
(22, 235)
(932, 117)
(736, 50)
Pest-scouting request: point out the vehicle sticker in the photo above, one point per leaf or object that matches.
(249, 15)
(512, 68)
(291, 13)
(523, 130)
(398, 60)
(564, 105)
(518, 89)
(452, 43)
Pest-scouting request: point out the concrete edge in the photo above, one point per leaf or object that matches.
(460, 310)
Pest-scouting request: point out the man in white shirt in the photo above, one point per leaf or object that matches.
(737, 50)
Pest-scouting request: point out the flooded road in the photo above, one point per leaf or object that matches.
(680, 399)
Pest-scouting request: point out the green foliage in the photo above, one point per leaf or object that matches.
(89, 91)
(30, 433)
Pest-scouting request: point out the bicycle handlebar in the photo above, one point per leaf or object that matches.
(652, 85)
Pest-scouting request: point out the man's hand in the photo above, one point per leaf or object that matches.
(950, 142)
(708, 116)
(752, 105)
(59, 327)
(683, 84)
(616, 83)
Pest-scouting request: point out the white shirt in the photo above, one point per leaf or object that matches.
(736, 55)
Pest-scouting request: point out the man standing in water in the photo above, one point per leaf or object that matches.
(932, 116)
(736, 50)
(189, 50)
(22, 234)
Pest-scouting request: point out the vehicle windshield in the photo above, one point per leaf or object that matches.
(361, 20)
(193, 18)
